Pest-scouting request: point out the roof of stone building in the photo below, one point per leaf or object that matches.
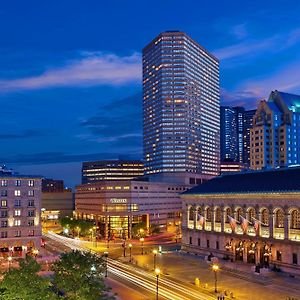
(278, 180)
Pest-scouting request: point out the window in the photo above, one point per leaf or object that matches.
(17, 203)
(18, 233)
(191, 240)
(3, 223)
(295, 259)
(4, 193)
(3, 234)
(278, 255)
(3, 182)
(207, 243)
(17, 193)
(30, 182)
(217, 245)
(3, 203)
(30, 203)
(17, 182)
(30, 223)
(17, 212)
(17, 223)
(31, 233)
(30, 193)
(31, 213)
(3, 213)
(199, 242)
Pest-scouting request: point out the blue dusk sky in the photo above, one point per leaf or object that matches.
(70, 71)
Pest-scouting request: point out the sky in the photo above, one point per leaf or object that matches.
(70, 71)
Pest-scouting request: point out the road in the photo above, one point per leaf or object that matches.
(168, 289)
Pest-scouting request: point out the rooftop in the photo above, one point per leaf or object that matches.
(266, 181)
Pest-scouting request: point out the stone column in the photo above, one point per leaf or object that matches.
(245, 253)
(213, 218)
(271, 224)
(195, 218)
(257, 254)
(222, 219)
(259, 232)
(287, 222)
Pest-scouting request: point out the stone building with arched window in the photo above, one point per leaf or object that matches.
(252, 217)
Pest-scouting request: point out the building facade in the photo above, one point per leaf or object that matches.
(275, 136)
(97, 171)
(117, 206)
(252, 217)
(236, 123)
(231, 167)
(20, 211)
(181, 105)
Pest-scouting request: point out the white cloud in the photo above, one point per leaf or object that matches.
(92, 68)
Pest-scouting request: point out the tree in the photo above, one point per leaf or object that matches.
(80, 276)
(25, 283)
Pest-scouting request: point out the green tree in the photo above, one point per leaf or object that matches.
(80, 276)
(24, 283)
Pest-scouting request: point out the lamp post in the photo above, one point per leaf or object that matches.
(124, 248)
(154, 258)
(142, 242)
(130, 246)
(106, 258)
(9, 262)
(215, 268)
(141, 232)
(157, 272)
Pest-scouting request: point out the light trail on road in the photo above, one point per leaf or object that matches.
(168, 288)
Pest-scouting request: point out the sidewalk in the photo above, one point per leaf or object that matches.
(232, 277)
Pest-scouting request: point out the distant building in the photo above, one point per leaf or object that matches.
(56, 202)
(20, 210)
(231, 167)
(252, 217)
(96, 171)
(248, 124)
(275, 136)
(235, 134)
(117, 206)
(52, 185)
(181, 106)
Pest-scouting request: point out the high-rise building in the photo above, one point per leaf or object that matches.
(275, 136)
(181, 110)
(248, 124)
(235, 134)
(96, 171)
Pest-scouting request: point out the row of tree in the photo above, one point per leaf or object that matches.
(76, 276)
(77, 227)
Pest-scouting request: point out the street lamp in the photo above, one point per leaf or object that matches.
(215, 268)
(157, 272)
(106, 258)
(141, 232)
(142, 242)
(154, 258)
(130, 246)
(9, 262)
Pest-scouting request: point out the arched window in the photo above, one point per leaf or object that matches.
(239, 213)
(295, 219)
(279, 218)
(199, 211)
(218, 215)
(208, 214)
(265, 216)
(228, 213)
(251, 214)
(192, 213)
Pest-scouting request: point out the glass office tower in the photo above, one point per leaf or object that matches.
(181, 106)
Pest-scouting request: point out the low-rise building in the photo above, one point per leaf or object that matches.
(231, 167)
(117, 206)
(252, 217)
(20, 209)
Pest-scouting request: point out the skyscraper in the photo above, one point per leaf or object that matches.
(275, 136)
(181, 110)
(235, 134)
